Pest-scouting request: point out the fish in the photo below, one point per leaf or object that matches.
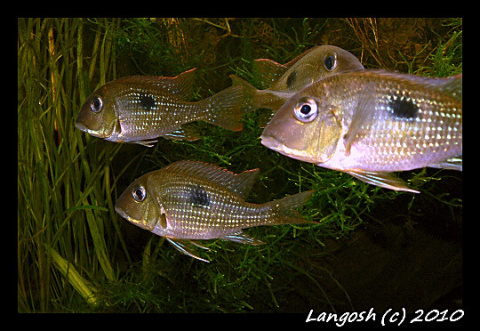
(372, 123)
(286, 79)
(188, 201)
(139, 109)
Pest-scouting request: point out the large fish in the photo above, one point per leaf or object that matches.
(372, 123)
(189, 200)
(286, 79)
(139, 109)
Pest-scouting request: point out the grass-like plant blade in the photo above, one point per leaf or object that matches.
(79, 283)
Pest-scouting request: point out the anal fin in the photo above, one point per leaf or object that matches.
(241, 237)
(454, 163)
(147, 143)
(383, 179)
(186, 132)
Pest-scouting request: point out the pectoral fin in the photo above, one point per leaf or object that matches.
(328, 134)
(182, 246)
(382, 179)
(362, 116)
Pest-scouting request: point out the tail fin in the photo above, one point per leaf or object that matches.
(225, 108)
(249, 93)
(254, 99)
(284, 210)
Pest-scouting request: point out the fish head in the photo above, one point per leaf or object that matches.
(304, 129)
(317, 63)
(337, 60)
(97, 116)
(139, 206)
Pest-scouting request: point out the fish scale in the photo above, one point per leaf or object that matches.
(409, 139)
(166, 115)
(225, 212)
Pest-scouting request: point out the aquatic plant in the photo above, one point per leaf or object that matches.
(65, 183)
(76, 254)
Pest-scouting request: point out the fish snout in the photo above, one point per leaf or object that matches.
(79, 124)
(269, 142)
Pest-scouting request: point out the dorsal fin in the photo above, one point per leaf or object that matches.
(240, 184)
(181, 85)
(451, 86)
(268, 71)
(292, 62)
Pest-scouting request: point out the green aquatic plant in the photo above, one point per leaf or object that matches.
(65, 181)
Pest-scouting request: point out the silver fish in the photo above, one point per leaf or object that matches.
(371, 123)
(139, 109)
(188, 201)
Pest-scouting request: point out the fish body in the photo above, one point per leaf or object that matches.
(372, 123)
(190, 200)
(139, 109)
(283, 80)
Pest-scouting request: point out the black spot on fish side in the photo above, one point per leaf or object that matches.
(403, 108)
(291, 79)
(198, 196)
(147, 102)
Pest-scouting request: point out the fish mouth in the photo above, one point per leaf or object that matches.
(122, 213)
(102, 133)
(81, 127)
(137, 222)
(95, 133)
(277, 146)
(271, 143)
(132, 220)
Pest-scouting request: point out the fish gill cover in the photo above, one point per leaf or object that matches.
(75, 254)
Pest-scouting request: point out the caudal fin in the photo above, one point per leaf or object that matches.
(284, 210)
(255, 99)
(249, 93)
(225, 108)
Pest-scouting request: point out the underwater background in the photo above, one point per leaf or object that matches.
(372, 247)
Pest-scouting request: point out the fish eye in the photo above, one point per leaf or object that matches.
(306, 110)
(330, 62)
(97, 104)
(139, 193)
